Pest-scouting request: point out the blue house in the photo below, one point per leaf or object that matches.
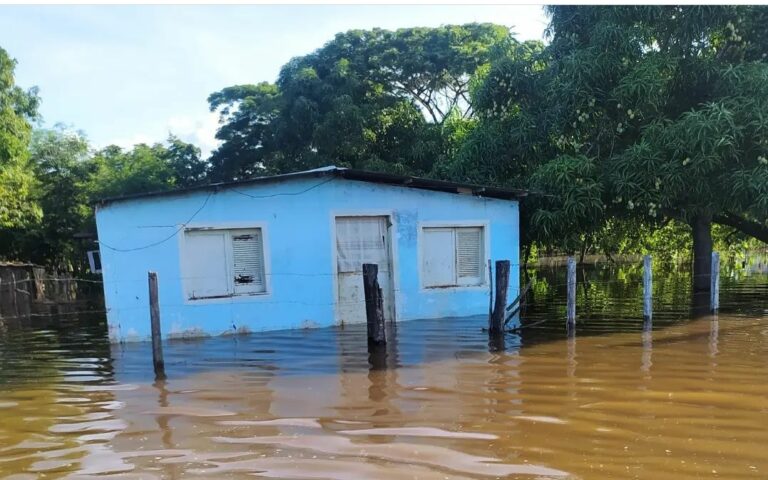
(287, 251)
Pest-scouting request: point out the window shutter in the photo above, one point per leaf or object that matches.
(247, 259)
(205, 256)
(469, 255)
(438, 257)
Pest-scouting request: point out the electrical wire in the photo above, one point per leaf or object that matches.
(183, 225)
(285, 193)
(154, 244)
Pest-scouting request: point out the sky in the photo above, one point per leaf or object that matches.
(135, 74)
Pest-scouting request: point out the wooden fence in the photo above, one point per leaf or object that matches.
(27, 290)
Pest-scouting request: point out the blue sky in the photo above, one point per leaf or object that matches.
(129, 74)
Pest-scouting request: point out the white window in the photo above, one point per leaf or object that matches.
(94, 261)
(452, 256)
(223, 263)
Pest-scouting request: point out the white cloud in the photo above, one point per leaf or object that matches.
(134, 74)
(128, 142)
(200, 131)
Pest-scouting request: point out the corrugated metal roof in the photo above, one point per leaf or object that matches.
(349, 174)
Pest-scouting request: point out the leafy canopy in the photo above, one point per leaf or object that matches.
(145, 168)
(374, 99)
(642, 113)
(69, 177)
(17, 109)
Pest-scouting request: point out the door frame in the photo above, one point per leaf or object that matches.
(394, 266)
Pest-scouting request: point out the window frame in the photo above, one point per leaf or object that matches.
(484, 225)
(231, 296)
(94, 257)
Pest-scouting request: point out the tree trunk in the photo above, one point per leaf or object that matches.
(702, 254)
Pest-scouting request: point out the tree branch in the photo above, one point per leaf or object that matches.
(416, 95)
(745, 226)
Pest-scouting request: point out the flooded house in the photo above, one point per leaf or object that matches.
(287, 251)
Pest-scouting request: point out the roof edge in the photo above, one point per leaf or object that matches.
(340, 172)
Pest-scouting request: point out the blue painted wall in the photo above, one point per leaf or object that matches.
(298, 220)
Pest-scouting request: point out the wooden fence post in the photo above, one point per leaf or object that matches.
(571, 303)
(647, 289)
(490, 292)
(157, 340)
(12, 290)
(714, 291)
(500, 305)
(374, 305)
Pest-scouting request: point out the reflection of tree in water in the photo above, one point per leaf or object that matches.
(432, 373)
(610, 297)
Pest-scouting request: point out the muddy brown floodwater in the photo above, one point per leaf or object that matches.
(688, 399)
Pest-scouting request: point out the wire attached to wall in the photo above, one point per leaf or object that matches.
(184, 225)
(284, 193)
(154, 244)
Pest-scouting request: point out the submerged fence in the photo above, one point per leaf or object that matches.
(28, 290)
(713, 300)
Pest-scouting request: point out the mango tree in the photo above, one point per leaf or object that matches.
(642, 113)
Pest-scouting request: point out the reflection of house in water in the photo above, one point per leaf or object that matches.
(287, 251)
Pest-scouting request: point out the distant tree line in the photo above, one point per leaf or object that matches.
(50, 178)
(637, 128)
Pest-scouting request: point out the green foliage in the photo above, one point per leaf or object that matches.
(69, 177)
(633, 115)
(60, 159)
(666, 242)
(49, 178)
(247, 113)
(573, 202)
(145, 169)
(118, 172)
(17, 184)
(708, 159)
(375, 99)
(630, 124)
(185, 162)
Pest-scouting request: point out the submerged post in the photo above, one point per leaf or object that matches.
(374, 305)
(157, 341)
(647, 289)
(490, 292)
(500, 305)
(714, 291)
(570, 312)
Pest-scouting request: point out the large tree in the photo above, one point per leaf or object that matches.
(60, 160)
(375, 99)
(18, 108)
(70, 177)
(145, 168)
(638, 113)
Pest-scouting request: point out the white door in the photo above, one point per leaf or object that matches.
(362, 240)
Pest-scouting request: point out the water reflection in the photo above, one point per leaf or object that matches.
(647, 359)
(438, 401)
